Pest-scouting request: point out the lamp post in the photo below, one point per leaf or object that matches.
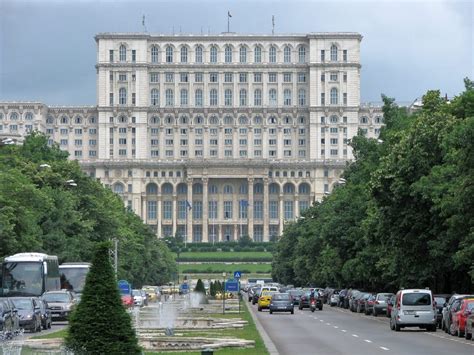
(223, 294)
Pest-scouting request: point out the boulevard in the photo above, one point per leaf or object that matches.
(335, 331)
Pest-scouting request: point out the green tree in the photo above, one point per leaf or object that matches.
(112, 333)
(200, 287)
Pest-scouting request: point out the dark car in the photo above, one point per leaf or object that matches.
(369, 304)
(9, 320)
(354, 299)
(256, 295)
(46, 316)
(361, 301)
(306, 298)
(296, 295)
(281, 302)
(29, 313)
(350, 298)
(61, 303)
(342, 297)
(252, 291)
(441, 301)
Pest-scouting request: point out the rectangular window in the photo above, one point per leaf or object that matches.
(78, 153)
(151, 209)
(64, 131)
(257, 77)
(197, 210)
(78, 131)
(288, 210)
(228, 77)
(122, 77)
(182, 209)
(257, 153)
(154, 77)
(227, 209)
(243, 209)
(333, 141)
(213, 209)
(167, 209)
(78, 142)
(134, 98)
(92, 142)
(63, 142)
(169, 77)
(323, 99)
(287, 77)
(301, 153)
(213, 153)
(134, 55)
(302, 77)
(257, 142)
(273, 209)
(344, 77)
(333, 76)
(198, 77)
(243, 142)
(333, 130)
(303, 205)
(287, 153)
(272, 77)
(243, 77)
(92, 153)
(323, 77)
(183, 77)
(344, 55)
(258, 210)
(323, 55)
(344, 98)
(333, 151)
(213, 77)
(111, 55)
(111, 98)
(228, 153)
(122, 152)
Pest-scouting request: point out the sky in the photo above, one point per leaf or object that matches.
(48, 52)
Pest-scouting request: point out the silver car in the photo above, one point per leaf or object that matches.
(61, 303)
(413, 308)
(380, 303)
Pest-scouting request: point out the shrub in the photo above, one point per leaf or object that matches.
(200, 287)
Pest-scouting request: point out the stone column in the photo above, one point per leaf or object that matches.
(189, 212)
(158, 214)
(175, 217)
(265, 210)
(205, 212)
(250, 208)
(297, 206)
(144, 212)
(281, 214)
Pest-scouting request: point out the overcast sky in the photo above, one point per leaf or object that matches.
(48, 52)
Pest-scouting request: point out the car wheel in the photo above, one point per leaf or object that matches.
(374, 312)
(259, 309)
(391, 325)
(459, 333)
(467, 335)
(292, 311)
(451, 330)
(271, 312)
(320, 308)
(397, 327)
(49, 325)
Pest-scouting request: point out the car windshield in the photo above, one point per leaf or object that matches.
(22, 304)
(440, 300)
(281, 297)
(384, 296)
(470, 306)
(295, 292)
(416, 299)
(268, 293)
(56, 297)
(136, 293)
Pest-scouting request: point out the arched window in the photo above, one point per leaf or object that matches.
(288, 189)
(302, 54)
(197, 189)
(213, 54)
(272, 97)
(243, 120)
(182, 189)
(122, 53)
(287, 120)
(169, 54)
(154, 54)
(78, 120)
(257, 54)
(302, 120)
(122, 119)
(122, 96)
(213, 97)
(167, 189)
(155, 120)
(243, 97)
(228, 120)
(151, 189)
(184, 97)
(155, 97)
(272, 120)
(334, 96)
(198, 120)
(334, 53)
(169, 97)
(14, 116)
(50, 120)
(272, 54)
(228, 54)
(274, 189)
(258, 189)
(198, 98)
(257, 120)
(198, 54)
(118, 188)
(257, 97)
(287, 97)
(287, 54)
(183, 119)
(243, 189)
(379, 119)
(228, 190)
(303, 189)
(302, 97)
(28, 116)
(333, 119)
(92, 120)
(169, 120)
(214, 120)
(184, 54)
(364, 120)
(243, 54)
(212, 189)
(228, 97)
(64, 120)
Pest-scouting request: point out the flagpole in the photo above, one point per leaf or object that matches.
(186, 225)
(228, 23)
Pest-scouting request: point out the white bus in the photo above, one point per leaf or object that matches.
(29, 274)
(73, 276)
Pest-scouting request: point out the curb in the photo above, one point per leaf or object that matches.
(272, 350)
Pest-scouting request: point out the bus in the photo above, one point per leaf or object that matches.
(73, 276)
(29, 274)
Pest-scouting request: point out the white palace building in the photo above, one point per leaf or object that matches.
(213, 136)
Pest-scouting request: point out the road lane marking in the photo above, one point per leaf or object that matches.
(384, 348)
(367, 340)
(328, 323)
(335, 327)
(321, 320)
(343, 330)
(355, 335)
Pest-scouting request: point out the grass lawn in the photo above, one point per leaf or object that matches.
(206, 276)
(221, 267)
(59, 334)
(225, 256)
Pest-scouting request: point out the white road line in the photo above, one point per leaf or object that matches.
(343, 330)
(367, 340)
(384, 348)
(335, 327)
(355, 335)
(328, 323)
(321, 320)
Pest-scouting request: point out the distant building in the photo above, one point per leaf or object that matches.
(215, 136)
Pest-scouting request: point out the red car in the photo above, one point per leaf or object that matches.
(127, 301)
(465, 309)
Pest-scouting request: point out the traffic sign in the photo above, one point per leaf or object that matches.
(237, 274)
(232, 286)
(124, 287)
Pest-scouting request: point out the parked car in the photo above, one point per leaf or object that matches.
(361, 300)
(46, 316)
(138, 299)
(28, 312)
(458, 323)
(265, 299)
(355, 300)
(441, 301)
(369, 304)
(334, 300)
(9, 320)
(296, 295)
(390, 303)
(469, 326)
(342, 297)
(350, 299)
(413, 308)
(447, 314)
(61, 303)
(281, 302)
(381, 303)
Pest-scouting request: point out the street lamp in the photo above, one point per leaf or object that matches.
(223, 293)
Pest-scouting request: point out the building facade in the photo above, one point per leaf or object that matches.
(214, 137)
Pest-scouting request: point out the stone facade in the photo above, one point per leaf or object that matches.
(216, 136)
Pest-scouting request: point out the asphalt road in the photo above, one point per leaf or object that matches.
(335, 331)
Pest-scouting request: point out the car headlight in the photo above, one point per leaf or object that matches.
(29, 316)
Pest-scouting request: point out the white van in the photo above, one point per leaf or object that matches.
(413, 308)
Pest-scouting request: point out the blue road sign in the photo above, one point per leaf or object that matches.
(124, 287)
(237, 274)
(232, 286)
(184, 286)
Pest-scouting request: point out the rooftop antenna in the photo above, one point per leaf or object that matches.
(228, 21)
(180, 30)
(143, 24)
(201, 30)
(173, 30)
(209, 30)
(273, 25)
